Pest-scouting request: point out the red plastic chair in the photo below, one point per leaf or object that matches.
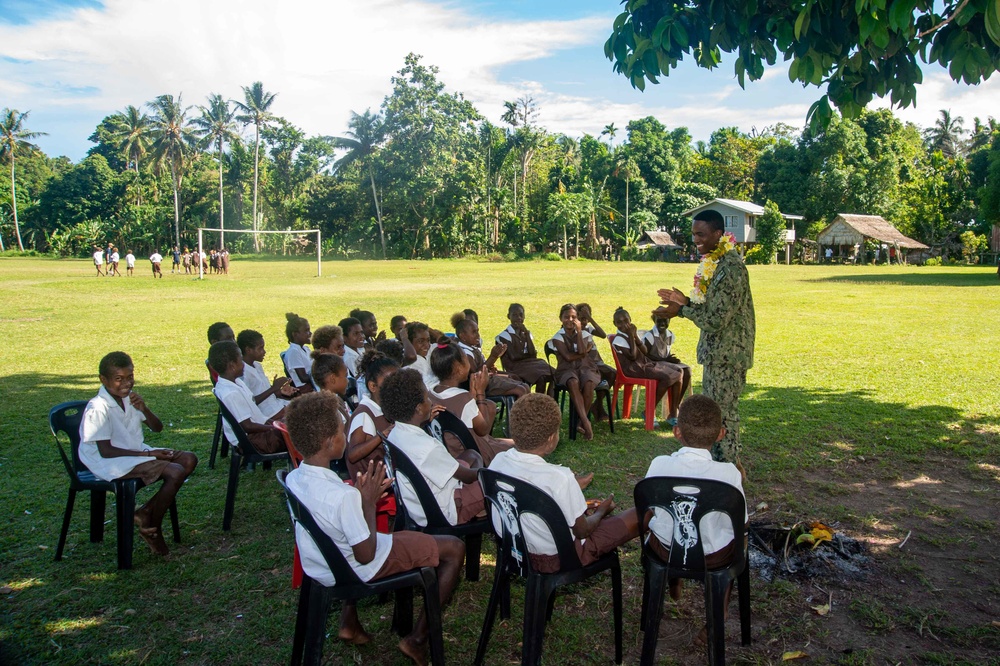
(386, 506)
(626, 382)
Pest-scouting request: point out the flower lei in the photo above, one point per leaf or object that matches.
(707, 266)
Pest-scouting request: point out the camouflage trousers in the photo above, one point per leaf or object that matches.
(723, 384)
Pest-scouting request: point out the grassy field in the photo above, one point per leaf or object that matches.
(873, 405)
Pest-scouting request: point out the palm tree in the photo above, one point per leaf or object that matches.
(216, 125)
(255, 106)
(173, 140)
(610, 131)
(982, 134)
(946, 135)
(366, 133)
(14, 140)
(131, 131)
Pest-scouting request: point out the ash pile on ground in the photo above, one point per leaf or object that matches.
(773, 554)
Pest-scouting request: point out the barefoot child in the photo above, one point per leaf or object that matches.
(453, 481)
(296, 357)
(576, 369)
(270, 395)
(112, 447)
(364, 444)
(467, 332)
(99, 261)
(608, 373)
(155, 259)
(635, 364)
(227, 360)
(115, 258)
(129, 263)
(534, 423)
(521, 358)
(347, 515)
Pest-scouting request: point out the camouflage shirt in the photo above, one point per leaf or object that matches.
(726, 318)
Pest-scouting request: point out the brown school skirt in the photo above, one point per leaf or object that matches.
(410, 550)
(530, 370)
(469, 501)
(611, 533)
(148, 472)
(584, 371)
(501, 384)
(668, 373)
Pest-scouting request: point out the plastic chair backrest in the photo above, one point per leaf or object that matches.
(212, 374)
(293, 453)
(622, 377)
(688, 501)
(65, 418)
(446, 422)
(241, 436)
(284, 367)
(511, 498)
(401, 464)
(339, 566)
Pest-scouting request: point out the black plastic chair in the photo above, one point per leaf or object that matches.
(512, 498)
(471, 532)
(315, 598)
(65, 418)
(687, 559)
(219, 437)
(561, 393)
(242, 451)
(448, 423)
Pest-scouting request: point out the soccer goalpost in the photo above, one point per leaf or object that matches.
(319, 244)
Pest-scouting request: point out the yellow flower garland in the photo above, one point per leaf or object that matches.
(706, 268)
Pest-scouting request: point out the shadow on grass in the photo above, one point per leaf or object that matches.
(984, 279)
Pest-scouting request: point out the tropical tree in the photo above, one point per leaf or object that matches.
(131, 131)
(173, 141)
(365, 134)
(15, 140)
(610, 131)
(946, 134)
(217, 125)
(256, 107)
(982, 134)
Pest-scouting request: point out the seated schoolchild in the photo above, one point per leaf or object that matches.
(270, 395)
(354, 341)
(416, 339)
(369, 327)
(467, 333)
(452, 481)
(534, 423)
(451, 366)
(217, 332)
(112, 446)
(521, 357)
(576, 369)
(608, 373)
(699, 426)
(296, 357)
(397, 325)
(227, 360)
(347, 515)
(329, 373)
(658, 344)
(328, 340)
(635, 363)
(364, 443)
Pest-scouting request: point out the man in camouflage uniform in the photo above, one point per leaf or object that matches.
(728, 327)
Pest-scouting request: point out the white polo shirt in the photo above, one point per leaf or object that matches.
(297, 356)
(361, 419)
(256, 380)
(130, 260)
(99, 258)
(423, 365)
(351, 359)
(469, 412)
(115, 257)
(556, 481)
(436, 465)
(103, 419)
(337, 509)
(716, 530)
(156, 258)
(238, 399)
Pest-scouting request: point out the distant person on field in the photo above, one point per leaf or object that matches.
(112, 446)
(186, 261)
(175, 254)
(226, 359)
(129, 263)
(115, 258)
(99, 260)
(225, 261)
(156, 259)
(195, 260)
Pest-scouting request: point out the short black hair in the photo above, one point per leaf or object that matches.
(294, 324)
(363, 316)
(700, 421)
(471, 314)
(401, 394)
(395, 321)
(325, 364)
(414, 328)
(443, 358)
(248, 338)
(533, 420)
(375, 363)
(392, 348)
(215, 329)
(712, 218)
(222, 353)
(311, 419)
(347, 323)
(324, 335)
(462, 322)
(116, 360)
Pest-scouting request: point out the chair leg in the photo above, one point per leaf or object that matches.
(744, 592)
(616, 591)
(473, 549)
(67, 514)
(124, 508)
(536, 601)
(98, 502)
(655, 586)
(611, 413)
(402, 611)
(215, 439)
(650, 405)
(319, 610)
(496, 594)
(715, 600)
(627, 402)
(432, 608)
(573, 420)
(234, 482)
(301, 621)
(174, 522)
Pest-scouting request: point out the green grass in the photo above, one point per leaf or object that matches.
(862, 375)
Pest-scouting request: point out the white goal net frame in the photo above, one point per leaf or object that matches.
(297, 232)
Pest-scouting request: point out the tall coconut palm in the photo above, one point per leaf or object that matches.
(256, 107)
(982, 134)
(366, 134)
(173, 141)
(610, 131)
(217, 125)
(14, 141)
(946, 134)
(131, 131)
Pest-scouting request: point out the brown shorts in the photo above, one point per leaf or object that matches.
(410, 550)
(469, 501)
(611, 533)
(149, 472)
(267, 442)
(501, 384)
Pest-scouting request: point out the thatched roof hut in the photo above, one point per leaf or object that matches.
(659, 239)
(850, 230)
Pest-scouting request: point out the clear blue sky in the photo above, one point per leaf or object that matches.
(73, 62)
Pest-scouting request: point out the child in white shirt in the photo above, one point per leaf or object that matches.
(227, 360)
(99, 260)
(129, 263)
(296, 357)
(270, 395)
(155, 259)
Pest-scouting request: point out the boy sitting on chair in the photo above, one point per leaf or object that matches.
(534, 425)
(347, 515)
(226, 359)
(112, 447)
(699, 426)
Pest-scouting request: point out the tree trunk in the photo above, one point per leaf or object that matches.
(626, 210)
(13, 202)
(378, 210)
(177, 210)
(256, 165)
(222, 215)
(576, 250)
(565, 243)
